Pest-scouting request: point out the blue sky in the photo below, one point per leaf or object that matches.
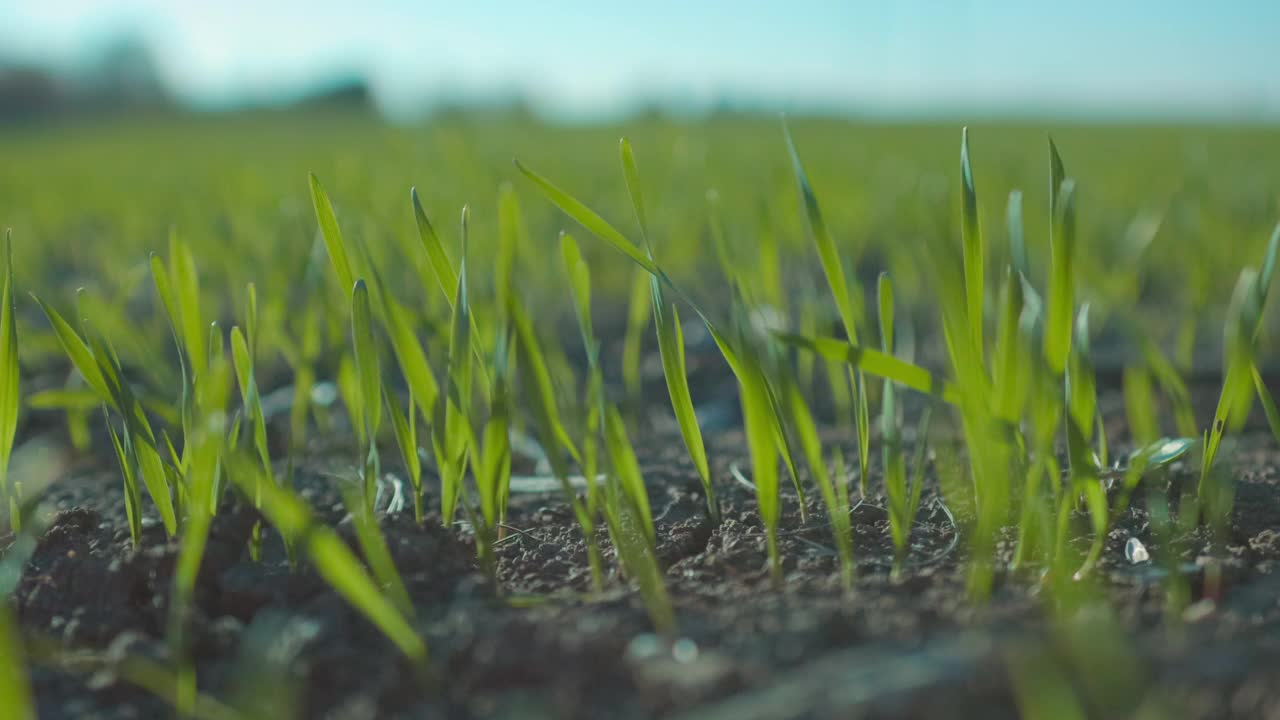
(576, 56)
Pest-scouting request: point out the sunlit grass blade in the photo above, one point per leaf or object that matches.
(626, 467)
(639, 311)
(1010, 372)
(1243, 316)
(893, 457)
(242, 358)
(535, 381)
(207, 440)
(1057, 173)
(457, 430)
(1017, 244)
(632, 177)
(580, 285)
(156, 480)
(97, 367)
(374, 548)
(366, 357)
(1057, 337)
(76, 350)
(758, 420)
(493, 471)
(348, 382)
(833, 269)
(333, 560)
(437, 258)
(589, 219)
(638, 555)
(406, 432)
(132, 495)
(973, 248)
(1268, 403)
(8, 373)
(666, 320)
(671, 347)
(877, 363)
(332, 235)
(827, 252)
(186, 286)
(834, 497)
(1082, 393)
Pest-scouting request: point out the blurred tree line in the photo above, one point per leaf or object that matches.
(122, 78)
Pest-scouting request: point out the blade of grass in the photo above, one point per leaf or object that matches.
(973, 249)
(1057, 338)
(877, 363)
(626, 468)
(8, 374)
(332, 235)
(588, 219)
(333, 560)
(670, 344)
(840, 291)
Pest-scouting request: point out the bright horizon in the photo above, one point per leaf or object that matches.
(1173, 58)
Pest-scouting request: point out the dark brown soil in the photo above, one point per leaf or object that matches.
(911, 647)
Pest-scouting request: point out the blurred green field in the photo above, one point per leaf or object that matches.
(144, 231)
(88, 202)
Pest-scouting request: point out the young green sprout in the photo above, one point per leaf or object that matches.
(8, 387)
(453, 437)
(666, 319)
(207, 449)
(903, 496)
(101, 371)
(765, 430)
(580, 285)
(630, 523)
(843, 294)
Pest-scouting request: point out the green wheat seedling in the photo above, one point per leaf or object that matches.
(405, 424)
(398, 323)
(454, 434)
(101, 372)
(630, 523)
(360, 500)
(491, 468)
(765, 431)
(243, 359)
(580, 285)
(446, 278)
(666, 319)
(625, 504)
(330, 557)
(831, 486)
(901, 493)
(1244, 322)
(540, 398)
(844, 299)
(206, 447)
(369, 386)
(8, 387)
(15, 694)
(639, 312)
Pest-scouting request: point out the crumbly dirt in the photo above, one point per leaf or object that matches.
(910, 646)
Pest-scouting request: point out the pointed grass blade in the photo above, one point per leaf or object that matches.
(587, 218)
(332, 235)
